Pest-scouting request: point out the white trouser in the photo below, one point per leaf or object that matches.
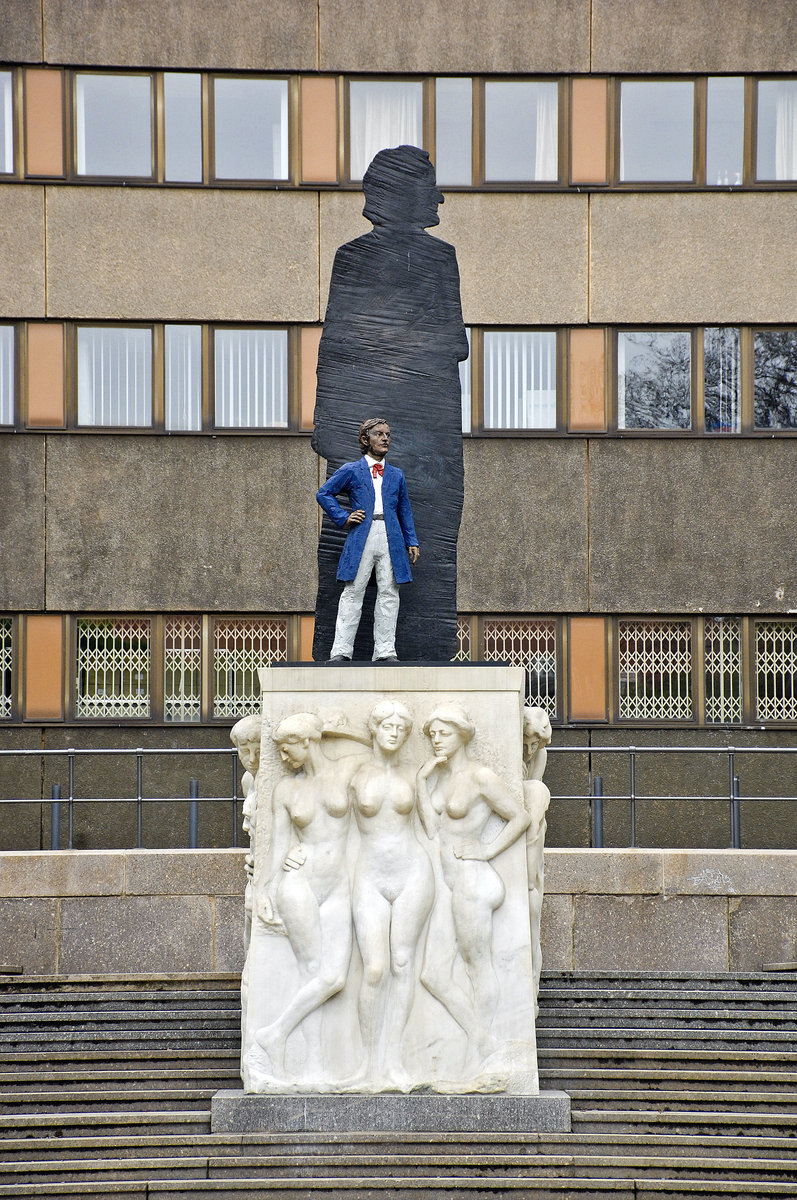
(376, 553)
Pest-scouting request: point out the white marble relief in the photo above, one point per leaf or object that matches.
(536, 796)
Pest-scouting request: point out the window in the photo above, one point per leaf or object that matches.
(454, 132)
(113, 125)
(520, 131)
(723, 669)
(777, 129)
(240, 646)
(114, 376)
(250, 119)
(655, 670)
(182, 121)
(251, 374)
(519, 379)
(6, 374)
(725, 131)
(775, 378)
(465, 385)
(654, 380)
(382, 113)
(183, 376)
(529, 643)
(656, 130)
(776, 670)
(182, 669)
(6, 123)
(6, 666)
(113, 667)
(721, 380)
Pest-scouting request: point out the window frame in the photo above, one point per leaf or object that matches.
(561, 183)
(292, 79)
(155, 128)
(477, 387)
(19, 344)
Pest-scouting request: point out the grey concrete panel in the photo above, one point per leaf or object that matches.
(22, 287)
(523, 538)
(159, 873)
(62, 873)
(704, 526)
(228, 933)
(701, 259)
(428, 35)
(650, 933)
(197, 524)
(29, 935)
(107, 934)
(22, 471)
(694, 35)
(556, 932)
(605, 872)
(226, 34)
(761, 930)
(168, 254)
(752, 873)
(568, 775)
(21, 32)
(20, 779)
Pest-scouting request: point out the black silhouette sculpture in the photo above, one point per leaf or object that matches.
(392, 341)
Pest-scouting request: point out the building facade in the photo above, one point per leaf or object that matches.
(620, 185)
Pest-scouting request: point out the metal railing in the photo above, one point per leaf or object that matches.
(594, 794)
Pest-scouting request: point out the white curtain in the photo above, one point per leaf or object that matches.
(114, 377)
(519, 380)
(545, 165)
(786, 131)
(382, 115)
(6, 374)
(251, 378)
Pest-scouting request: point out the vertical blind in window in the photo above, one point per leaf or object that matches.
(251, 128)
(113, 124)
(114, 376)
(519, 380)
(251, 375)
(6, 124)
(6, 374)
(183, 376)
(777, 129)
(521, 131)
(382, 113)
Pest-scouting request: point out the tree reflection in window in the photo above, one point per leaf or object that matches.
(654, 380)
(775, 379)
(721, 379)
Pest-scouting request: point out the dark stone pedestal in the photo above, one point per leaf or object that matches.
(237, 1112)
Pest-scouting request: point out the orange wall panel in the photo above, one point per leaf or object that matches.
(588, 162)
(587, 368)
(587, 656)
(44, 668)
(44, 122)
(45, 374)
(306, 631)
(319, 132)
(310, 338)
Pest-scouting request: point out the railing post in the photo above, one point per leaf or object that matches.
(55, 817)
(597, 812)
(731, 782)
(736, 816)
(632, 790)
(139, 797)
(71, 810)
(235, 799)
(193, 814)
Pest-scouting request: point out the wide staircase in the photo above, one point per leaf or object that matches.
(680, 1086)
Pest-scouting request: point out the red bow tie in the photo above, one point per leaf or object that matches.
(377, 469)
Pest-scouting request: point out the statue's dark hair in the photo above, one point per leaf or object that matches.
(366, 428)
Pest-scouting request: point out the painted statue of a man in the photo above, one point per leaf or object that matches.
(380, 537)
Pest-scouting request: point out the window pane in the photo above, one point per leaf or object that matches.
(114, 125)
(182, 114)
(239, 647)
(114, 376)
(530, 644)
(655, 662)
(251, 378)
(656, 130)
(6, 124)
(725, 131)
(721, 380)
(6, 374)
(251, 128)
(775, 378)
(776, 671)
(113, 662)
(6, 664)
(654, 380)
(520, 131)
(465, 385)
(182, 669)
(723, 658)
(519, 380)
(777, 129)
(183, 383)
(453, 124)
(382, 113)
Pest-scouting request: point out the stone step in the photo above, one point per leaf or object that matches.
(225, 1057)
(178, 1077)
(564, 1079)
(684, 998)
(684, 1121)
(109, 1124)
(209, 1018)
(658, 980)
(668, 1038)
(686, 1099)
(198, 1040)
(557, 1057)
(715, 1018)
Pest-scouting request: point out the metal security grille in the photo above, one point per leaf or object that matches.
(530, 644)
(776, 671)
(182, 669)
(240, 646)
(655, 670)
(6, 649)
(464, 652)
(113, 665)
(723, 669)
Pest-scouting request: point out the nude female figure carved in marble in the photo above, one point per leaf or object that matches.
(457, 796)
(392, 894)
(307, 895)
(536, 796)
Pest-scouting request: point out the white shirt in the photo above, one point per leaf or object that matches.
(377, 482)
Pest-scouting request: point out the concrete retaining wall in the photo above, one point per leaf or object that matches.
(150, 911)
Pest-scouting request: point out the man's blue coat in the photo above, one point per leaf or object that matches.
(354, 479)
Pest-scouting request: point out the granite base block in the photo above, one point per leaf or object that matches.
(239, 1112)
